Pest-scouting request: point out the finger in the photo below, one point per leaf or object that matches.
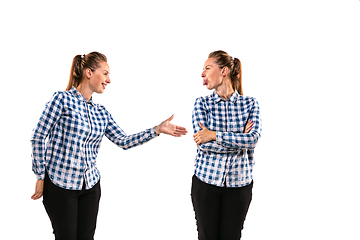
(248, 127)
(170, 118)
(181, 128)
(181, 132)
(36, 195)
(198, 140)
(197, 136)
(248, 130)
(176, 133)
(249, 123)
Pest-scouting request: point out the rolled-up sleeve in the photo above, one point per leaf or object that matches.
(243, 140)
(200, 114)
(115, 134)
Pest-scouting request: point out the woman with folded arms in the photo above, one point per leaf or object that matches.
(227, 126)
(65, 165)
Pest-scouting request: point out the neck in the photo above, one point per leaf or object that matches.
(225, 90)
(85, 91)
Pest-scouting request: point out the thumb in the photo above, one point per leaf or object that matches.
(202, 126)
(170, 118)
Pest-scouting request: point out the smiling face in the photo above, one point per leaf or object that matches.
(99, 78)
(212, 74)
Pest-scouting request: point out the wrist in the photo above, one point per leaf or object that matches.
(213, 135)
(157, 130)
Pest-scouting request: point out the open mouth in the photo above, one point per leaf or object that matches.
(205, 82)
(104, 85)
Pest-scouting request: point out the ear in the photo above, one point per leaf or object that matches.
(88, 72)
(224, 71)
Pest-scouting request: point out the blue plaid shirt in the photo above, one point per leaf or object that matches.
(230, 159)
(75, 128)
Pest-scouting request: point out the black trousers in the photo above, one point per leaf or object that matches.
(72, 213)
(219, 211)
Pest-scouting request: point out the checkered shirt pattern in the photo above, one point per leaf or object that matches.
(229, 160)
(68, 136)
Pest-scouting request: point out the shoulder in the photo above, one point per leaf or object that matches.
(201, 103)
(101, 110)
(58, 94)
(204, 99)
(100, 107)
(251, 103)
(199, 100)
(248, 100)
(57, 98)
(64, 97)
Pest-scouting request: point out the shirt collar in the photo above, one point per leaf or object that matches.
(232, 99)
(79, 96)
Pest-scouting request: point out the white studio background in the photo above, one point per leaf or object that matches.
(300, 60)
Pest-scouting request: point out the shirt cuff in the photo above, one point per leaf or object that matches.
(153, 132)
(219, 137)
(40, 177)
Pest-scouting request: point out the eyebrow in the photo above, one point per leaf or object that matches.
(209, 65)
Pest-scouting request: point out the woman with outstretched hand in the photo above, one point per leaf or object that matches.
(65, 165)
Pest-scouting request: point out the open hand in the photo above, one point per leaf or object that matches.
(168, 128)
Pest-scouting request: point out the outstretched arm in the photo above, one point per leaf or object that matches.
(115, 134)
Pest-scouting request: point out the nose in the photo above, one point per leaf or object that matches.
(108, 80)
(203, 74)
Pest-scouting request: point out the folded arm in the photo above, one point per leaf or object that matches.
(200, 121)
(247, 140)
(226, 141)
